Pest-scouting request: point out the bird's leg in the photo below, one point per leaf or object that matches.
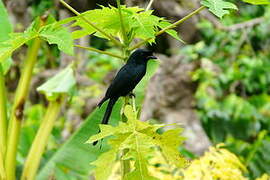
(134, 104)
(132, 94)
(125, 102)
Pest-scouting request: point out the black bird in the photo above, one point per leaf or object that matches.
(126, 80)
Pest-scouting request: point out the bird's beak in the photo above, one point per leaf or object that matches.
(151, 57)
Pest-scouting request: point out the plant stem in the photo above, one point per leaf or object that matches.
(168, 27)
(18, 107)
(3, 113)
(149, 5)
(100, 51)
(2, 169)
(125, 165)
(41, 140)
(3, 123)
(122, 23)
(116, 42)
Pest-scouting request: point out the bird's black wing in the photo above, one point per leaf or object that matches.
(125, 80)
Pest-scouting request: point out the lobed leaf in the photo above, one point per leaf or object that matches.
(59, 35)
(219, 7)
(104, 164)
(138, 23)
(141, 139)
(16, 40)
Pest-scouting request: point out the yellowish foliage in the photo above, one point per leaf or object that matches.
(216, 164)
(162, 170)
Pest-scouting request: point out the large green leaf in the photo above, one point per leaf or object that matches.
(16, 40)
(59, 35)
(54, 33)
(140, 139)
(219, 7)
(61, 83)
(140, 89)
(5, 25)
(73, 159)
(257, 2)
(5, 30)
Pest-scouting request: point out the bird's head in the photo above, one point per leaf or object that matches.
(141, 56)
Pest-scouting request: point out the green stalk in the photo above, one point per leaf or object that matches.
(125, 165)
(2, 169)
(124, 34)
(168, 27)
(99, 51)
(116, 42)
(3, 113)
(18, 107)
(41, 140)
(3, 123)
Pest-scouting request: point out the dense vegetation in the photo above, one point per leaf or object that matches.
(47, 127)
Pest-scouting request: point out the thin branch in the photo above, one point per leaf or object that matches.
(124, 34)
(168, 27)
(149, 5)
(245, 24)
(100, 51)
(234, 27)
(116, 42)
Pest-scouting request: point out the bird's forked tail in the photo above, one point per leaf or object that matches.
(108, 113)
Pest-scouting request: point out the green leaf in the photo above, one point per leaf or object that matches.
(141, 139)
(16, 40)
(74, 157)
(144, 24)
(219, 7)
(163, 24)
(61, 83)
(59, 35)
(5, 25)
(169, 142)
(257, 2)
(6, 65)
(152, 67)
(106, 159)
(141, 163)
(138, 23)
